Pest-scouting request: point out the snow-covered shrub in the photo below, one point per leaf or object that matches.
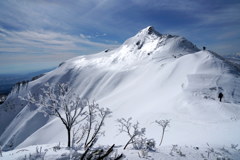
(144, 143)
(209, 151)
(57, 147)
(164, 124)
(150, 144)
(139, 143)
(223, 149)
(147, 146)
(101, 153)
(143, 153)
(38, 155)
(174, 148)
(177, 150)
(72, 156)
(196, 148)
(234, 146)
(223, 158)
(135, 134)
(181, 153)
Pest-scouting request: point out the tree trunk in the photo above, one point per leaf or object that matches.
(129, 142)
(69, 136)
(162, 137)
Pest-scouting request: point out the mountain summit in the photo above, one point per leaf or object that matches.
(151, 76)
(150, 42)
(148, 31)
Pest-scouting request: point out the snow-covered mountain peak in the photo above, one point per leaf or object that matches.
(144, 34)
(150, 30)
(149, 45)
(150, 76)
(146, 46)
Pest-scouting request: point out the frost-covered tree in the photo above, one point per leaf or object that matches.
(60, 101)
(164, 124)
(89, 131)
(133, 131)
(95, 121)
(86, 134)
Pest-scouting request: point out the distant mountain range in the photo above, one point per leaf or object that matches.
(233, 58)
(7, 81)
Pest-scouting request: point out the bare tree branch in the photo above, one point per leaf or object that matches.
(132, 131)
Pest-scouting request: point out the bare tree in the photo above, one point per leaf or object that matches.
(91, 129)
(93, 124)
(58, 100)
(132, 131)
(164, 124)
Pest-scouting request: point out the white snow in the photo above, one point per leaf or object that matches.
(150, 77)
(161, 153)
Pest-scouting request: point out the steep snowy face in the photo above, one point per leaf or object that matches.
(150, 76)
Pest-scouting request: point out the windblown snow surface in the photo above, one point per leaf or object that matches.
(150, 77)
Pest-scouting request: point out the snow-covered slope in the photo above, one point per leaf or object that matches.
(174, 152)
(150, 77)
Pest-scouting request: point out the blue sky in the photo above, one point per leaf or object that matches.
(39, 34)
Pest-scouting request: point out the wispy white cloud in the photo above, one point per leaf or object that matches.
(228, 34)
(49, 40)
(226, 15)
(44, 46)
(174, 5)
(85, 36)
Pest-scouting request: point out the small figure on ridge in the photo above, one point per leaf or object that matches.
(220, 96)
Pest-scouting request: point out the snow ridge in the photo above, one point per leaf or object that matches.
(150, 75)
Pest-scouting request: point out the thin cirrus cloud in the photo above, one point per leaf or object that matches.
(43, 31)
(43, 46)
(46, 40)
(56, 30)
(227, 15)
